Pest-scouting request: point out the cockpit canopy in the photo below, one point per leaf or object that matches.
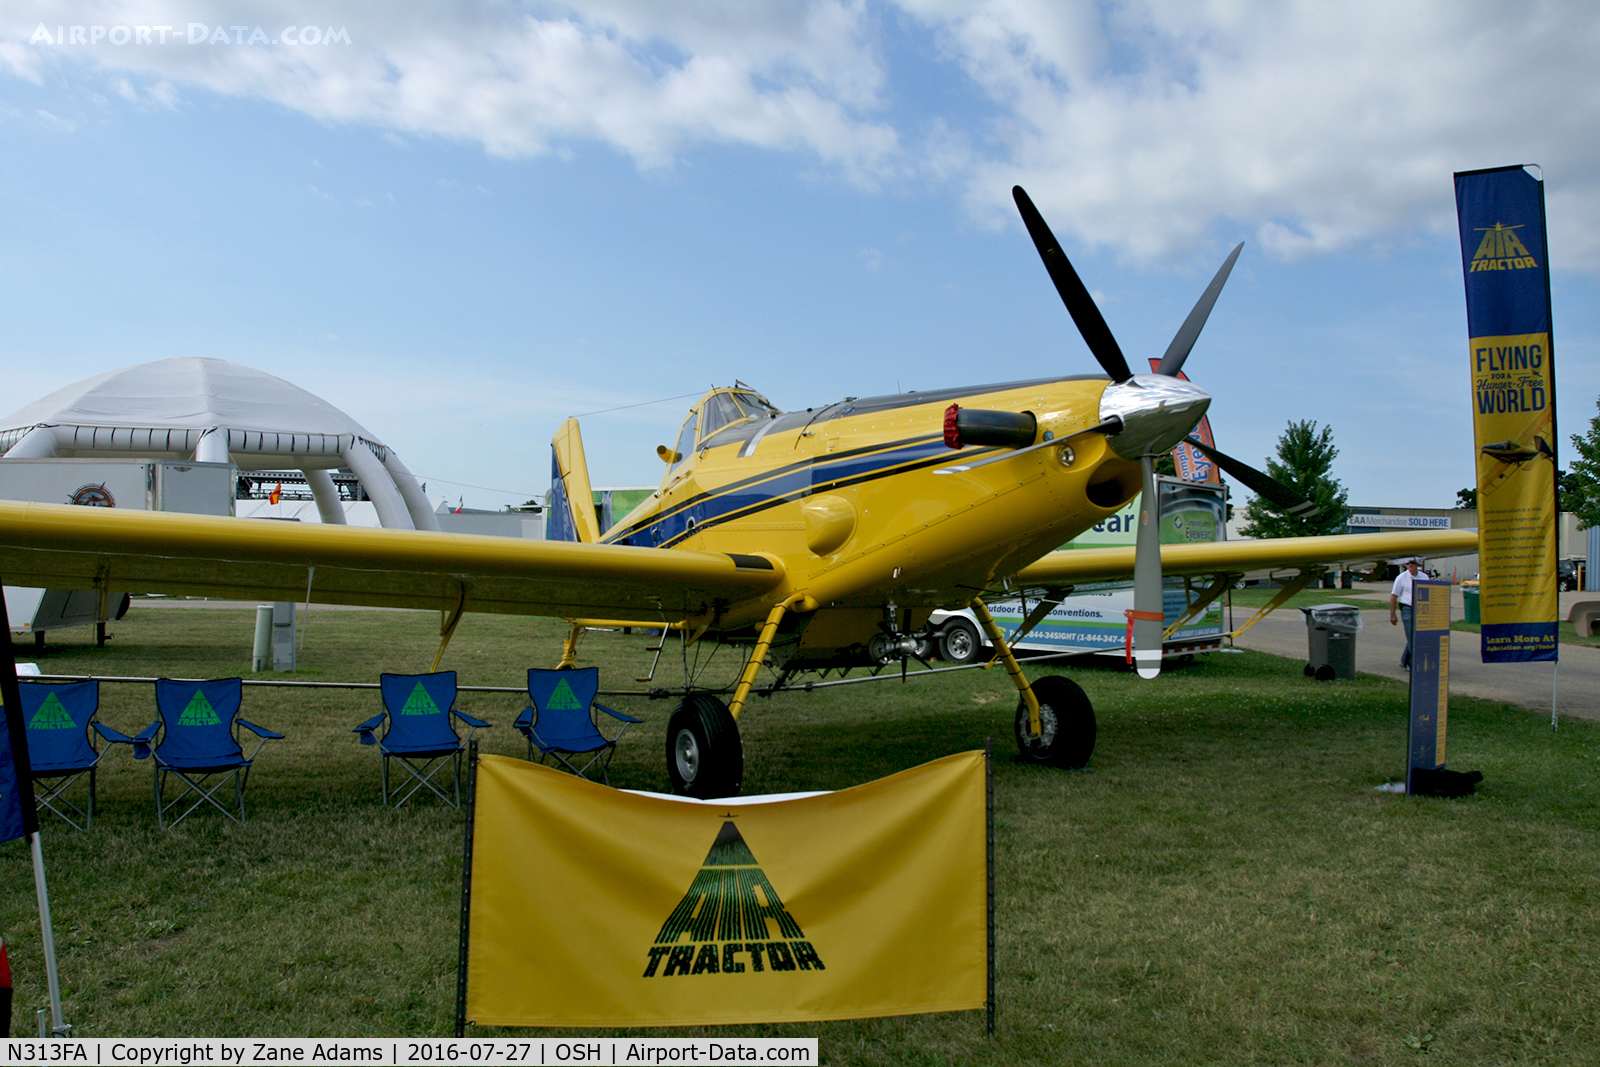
(717, 410)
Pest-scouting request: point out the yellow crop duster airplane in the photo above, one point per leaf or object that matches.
(817, 539)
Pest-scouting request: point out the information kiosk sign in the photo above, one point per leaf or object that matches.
(1430, 677)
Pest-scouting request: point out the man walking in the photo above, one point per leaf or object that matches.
(1400, 598)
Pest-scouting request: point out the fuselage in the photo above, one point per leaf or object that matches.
(848, 498)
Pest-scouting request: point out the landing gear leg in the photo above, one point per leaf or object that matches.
(569, 648)
(758, 655)
(1013, 668)
(1055, 721)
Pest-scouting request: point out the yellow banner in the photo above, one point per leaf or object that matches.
(1514, 434)
(593, 907)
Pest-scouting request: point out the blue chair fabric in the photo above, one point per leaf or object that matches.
(420, 735)
(562, 724)
(199, 728)
(59, 719)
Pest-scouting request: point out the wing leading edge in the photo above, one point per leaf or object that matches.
(64, 547)
(1077, 566)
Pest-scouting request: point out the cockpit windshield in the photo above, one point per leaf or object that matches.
(725, 408)
(717, 411)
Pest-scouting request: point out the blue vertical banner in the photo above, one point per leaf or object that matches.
(17, 815)
(1430, 676)
(1505, 263)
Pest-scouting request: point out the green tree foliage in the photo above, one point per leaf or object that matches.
(1582, 483)
(1304, 464)
(1467, 499)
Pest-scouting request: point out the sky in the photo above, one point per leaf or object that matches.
(462, 223)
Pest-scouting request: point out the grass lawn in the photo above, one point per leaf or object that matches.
(1223, 887)
(1254, 598)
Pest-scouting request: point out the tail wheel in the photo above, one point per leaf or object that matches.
(1066, 719)
(705, 757)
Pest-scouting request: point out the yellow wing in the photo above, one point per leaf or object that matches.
(1076, 566)
(62, 547)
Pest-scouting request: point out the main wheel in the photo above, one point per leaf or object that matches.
(959, 642)
(705, 757)
(1066, 720)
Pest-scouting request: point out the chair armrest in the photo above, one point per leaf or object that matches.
(525, 720)
(476, 724)
(617, 714)
(260, 731)
(366, 728)
(140, 742)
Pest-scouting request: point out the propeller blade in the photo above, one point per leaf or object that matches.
(1110, 426)
(1189, 332)
(1263, 485)
(1148, 611)
(1096, 334)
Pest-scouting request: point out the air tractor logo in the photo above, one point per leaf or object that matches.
(419, 703)
(199, 712)
(1501, 249)
(730, 916)
(52, 715)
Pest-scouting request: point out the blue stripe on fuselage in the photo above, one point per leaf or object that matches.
(772, 488)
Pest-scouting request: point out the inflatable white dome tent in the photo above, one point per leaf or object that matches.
(210, 410)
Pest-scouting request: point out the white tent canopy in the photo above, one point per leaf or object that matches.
(210, 410)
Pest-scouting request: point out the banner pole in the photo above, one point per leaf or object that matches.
(17, 734)
(988, 865)
(466, 887)
(47, 939)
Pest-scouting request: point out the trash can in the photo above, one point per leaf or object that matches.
(1331, 631)
(1469, 601)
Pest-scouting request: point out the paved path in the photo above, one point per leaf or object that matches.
(1378, 648)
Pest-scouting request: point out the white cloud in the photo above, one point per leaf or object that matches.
(56, 122)
(1318, 126)
(1144, 126)
(651, 79)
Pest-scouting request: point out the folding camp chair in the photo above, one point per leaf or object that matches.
(561, 722)
(60, 747)
(420, 735)
(198, 725)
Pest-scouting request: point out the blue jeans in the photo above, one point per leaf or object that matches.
(1405, 620)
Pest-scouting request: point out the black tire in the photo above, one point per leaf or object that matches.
(959, 641)
(705, 757)
(1311, 672)
(1067, 719)
(1325, 673)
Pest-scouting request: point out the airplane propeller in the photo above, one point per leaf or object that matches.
(1147, 618)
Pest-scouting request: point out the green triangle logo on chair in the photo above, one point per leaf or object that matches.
(563, 698)
(52, 715)
(199, 712)
(419, 703)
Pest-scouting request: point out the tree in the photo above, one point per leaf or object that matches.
(1581, 487)
(1305, 460)
(1467, 499)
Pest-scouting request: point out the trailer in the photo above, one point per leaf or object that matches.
(1093, 618)
(145, 484)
